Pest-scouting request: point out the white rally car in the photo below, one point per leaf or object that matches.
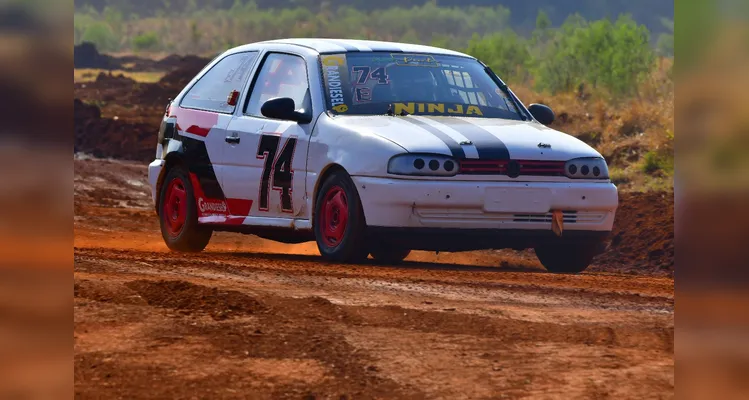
(374, 148)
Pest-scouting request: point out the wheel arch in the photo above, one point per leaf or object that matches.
(329, 170)
(171, 160)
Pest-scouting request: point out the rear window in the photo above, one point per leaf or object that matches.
(211, 91)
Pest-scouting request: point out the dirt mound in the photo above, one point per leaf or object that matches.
(109, 137)
(183, 70)
(117, 80)
(189, 298)
(643, 235)
(117, 117)
(85, 55)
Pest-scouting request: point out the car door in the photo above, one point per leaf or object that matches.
(203, 114)
(266, 159)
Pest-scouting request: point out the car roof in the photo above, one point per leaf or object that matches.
(327, 46)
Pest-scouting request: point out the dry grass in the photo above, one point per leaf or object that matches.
(635, 136)
(89, 75)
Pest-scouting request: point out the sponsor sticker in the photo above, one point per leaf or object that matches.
(335, 78)
(437, 108)
(212, 207)
(420, 60)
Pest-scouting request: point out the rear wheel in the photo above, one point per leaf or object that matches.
(338, 222)
(567, 257)
(388, 254)
(178, 214)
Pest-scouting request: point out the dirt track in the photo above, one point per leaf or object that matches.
(250, 318)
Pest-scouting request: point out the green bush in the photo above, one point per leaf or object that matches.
(616, 57)
(146, 41)
(653, 162)
(101, 35)
(506, 53)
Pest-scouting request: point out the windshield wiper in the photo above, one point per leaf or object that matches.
(391, 113)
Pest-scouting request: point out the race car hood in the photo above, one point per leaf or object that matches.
(465, 137)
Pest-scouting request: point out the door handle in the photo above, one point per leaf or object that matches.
(232, 139)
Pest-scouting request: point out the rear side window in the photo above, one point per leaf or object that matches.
(211, 91)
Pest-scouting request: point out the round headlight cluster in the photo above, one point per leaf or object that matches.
(587, 168)
(422, 164)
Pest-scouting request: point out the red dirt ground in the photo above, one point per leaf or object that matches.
(252, 318)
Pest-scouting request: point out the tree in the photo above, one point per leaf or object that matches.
(101, 35)
(506, 53)
(146, 41)
(615, 57)
(665, 43)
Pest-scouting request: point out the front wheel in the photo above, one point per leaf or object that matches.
(178, 214)
(567, 257)
(338, 222)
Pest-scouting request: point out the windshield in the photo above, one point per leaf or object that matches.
(374, 83)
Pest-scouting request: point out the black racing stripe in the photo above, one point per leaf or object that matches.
(454, 146)
(488, 146)
(198, 162)
(343, 44)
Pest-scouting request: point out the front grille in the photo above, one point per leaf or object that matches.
(479, 216)
(503, 167)
(569, 217)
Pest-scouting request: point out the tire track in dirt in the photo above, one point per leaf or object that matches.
(235, 320)
(250, 318)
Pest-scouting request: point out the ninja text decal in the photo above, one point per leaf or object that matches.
(437, 108)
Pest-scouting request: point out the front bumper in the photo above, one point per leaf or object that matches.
(466, 205)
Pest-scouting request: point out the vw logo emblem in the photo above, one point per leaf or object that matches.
(513, 169)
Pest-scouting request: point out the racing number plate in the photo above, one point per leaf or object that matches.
(517, 200)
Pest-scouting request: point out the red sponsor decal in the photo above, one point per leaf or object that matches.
(206, 206)
(233, 211)
(212, 207)
(239, 207)
(197, 122)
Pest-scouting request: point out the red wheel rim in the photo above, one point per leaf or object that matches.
(334, 216)
(175, 207)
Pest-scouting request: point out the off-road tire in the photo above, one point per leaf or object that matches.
(187, 235)
(339, 239)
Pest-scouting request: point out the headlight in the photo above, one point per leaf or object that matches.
(586, 168)
(422, 164)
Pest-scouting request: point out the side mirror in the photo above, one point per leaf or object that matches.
(284, 108)
(542, 113)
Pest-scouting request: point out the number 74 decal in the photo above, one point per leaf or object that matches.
(277, 174)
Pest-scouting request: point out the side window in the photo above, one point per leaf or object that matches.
(212, 90)
(282, 75)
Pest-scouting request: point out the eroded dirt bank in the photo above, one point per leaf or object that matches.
(250, 318)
